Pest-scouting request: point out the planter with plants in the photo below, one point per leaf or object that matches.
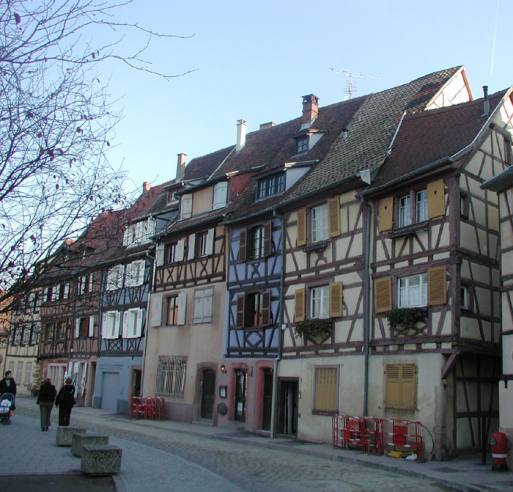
(316, 330)
(407, 321)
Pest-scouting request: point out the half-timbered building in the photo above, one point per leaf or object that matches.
(126, 275)
(325, 341)
(435, 322)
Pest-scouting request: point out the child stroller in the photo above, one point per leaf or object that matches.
(6, 404)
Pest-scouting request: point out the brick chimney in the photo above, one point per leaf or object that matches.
(180, 166)
(242, 128)
(310, 110)
(146, 186)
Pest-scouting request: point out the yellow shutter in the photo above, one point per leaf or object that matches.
(301, 227)
(392, 386)
(334, 216)
(436, 198)
(383, 294)
(386, 214)
(437, 289)
(326, 389)
(299, 307)
(408, 386)
(336, 305)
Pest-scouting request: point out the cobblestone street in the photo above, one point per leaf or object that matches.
(160, 459)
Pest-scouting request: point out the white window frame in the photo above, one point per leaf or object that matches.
(404, 211)
(319, 302)
(319, 223)
(203, 305)
(421, 206)
(135, 273)
(110, 330)
(186, 206)
(132, 323)
(412, 291)
(220, 195)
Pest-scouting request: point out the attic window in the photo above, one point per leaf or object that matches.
(270, 185)
(302, 144)
(171, 196)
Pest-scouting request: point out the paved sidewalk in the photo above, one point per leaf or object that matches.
(460, 474)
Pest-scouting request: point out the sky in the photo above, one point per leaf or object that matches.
(255, 60)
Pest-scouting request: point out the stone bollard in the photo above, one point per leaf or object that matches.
(79, 440)
(65, 435)
(100, 459)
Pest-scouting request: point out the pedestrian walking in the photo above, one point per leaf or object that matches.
(45, 400)
(65, 401)
(8, 385)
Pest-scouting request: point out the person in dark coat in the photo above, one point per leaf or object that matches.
(8, 385)
(65, 401)
(45, 400)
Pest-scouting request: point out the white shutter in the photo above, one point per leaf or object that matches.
(115, 329)
(159, 255)
(139, 268)
(120, 271)
(105, 319)
(125, 324)
(186, 206)
(180, 247)
(210, 241)
(192, 242)
(45, 294)
(182, 303)
(150, 228)
(155, 304)
(125, 237)
(139, 324)
(129, 275)
(91, 326)
(66, 290)
(207, 305)
(77, 327)
(91, 282)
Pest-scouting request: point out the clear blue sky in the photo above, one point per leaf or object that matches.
(255, 60)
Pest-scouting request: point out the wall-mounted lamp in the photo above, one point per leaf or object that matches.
(222, 368)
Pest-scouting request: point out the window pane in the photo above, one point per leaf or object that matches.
(319, 222)
(422, 212)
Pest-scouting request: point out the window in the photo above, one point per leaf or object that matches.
(404, 211)
(48, 296)
(421, 207)
(170, 196)
(171, 376)
(115, 277)
(17, 335)
(186, 206)
(202, 312)
(256, 242)
(301, 144)
(48, 332)
(85, 284)
(319, 302)
(270, 185)
(401, 386)
(253, 309)
(464, 205)
(319, 223)
(27, 334)
(201, 244)
(326, 390)
(60, 331)
(135, 273)
(138, 233)
(465, 298)
(220, 194)
(172, 310)
(413, 291)
(110, 325)
(170, 253)
(81, 327)
(132, 323)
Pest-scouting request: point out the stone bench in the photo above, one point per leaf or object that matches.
(100, 459)
(80, 440)
(65, 435)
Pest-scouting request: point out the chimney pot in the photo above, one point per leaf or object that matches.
(146, 186)
(269, 124)
(180, 165)
(486, 101)
(310, 110)
(242, 128)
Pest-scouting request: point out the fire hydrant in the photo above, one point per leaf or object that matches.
(499, 444)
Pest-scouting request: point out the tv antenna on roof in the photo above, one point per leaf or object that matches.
(350, 83)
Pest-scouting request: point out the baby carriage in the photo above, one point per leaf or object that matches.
(6, 404)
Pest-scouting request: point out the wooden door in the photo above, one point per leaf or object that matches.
(267, 399)
(240, 395)
(288, 407)
(208, 390)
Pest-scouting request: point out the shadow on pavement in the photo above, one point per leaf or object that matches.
(56, 483)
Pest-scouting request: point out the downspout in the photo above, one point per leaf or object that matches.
(366, 302)
(147, 322)
(274, 413)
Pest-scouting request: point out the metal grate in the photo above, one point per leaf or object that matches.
(171, 376)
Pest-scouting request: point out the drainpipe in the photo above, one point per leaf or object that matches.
(147, 323)
(281, 317)
(366, 302)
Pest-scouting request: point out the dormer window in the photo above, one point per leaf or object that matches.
(186, 206)
(270, 185)
(220, 195)
(301, 144)
(170, 197)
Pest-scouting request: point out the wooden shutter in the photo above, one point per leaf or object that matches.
(266, 308)
(91, 326)
(268, 238)
(336, 300)
(182, 307)
(408, 386)
(155, 309)
(192, 241)
(437, 288)
(436, 198)
(299, 306)
(383, 294)
(326, 389)
(334, 216)
(209, 248)
(243, 244)
(392, 386)
(301, 227)
(401, 386)
(386, 214)
(240, 311)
